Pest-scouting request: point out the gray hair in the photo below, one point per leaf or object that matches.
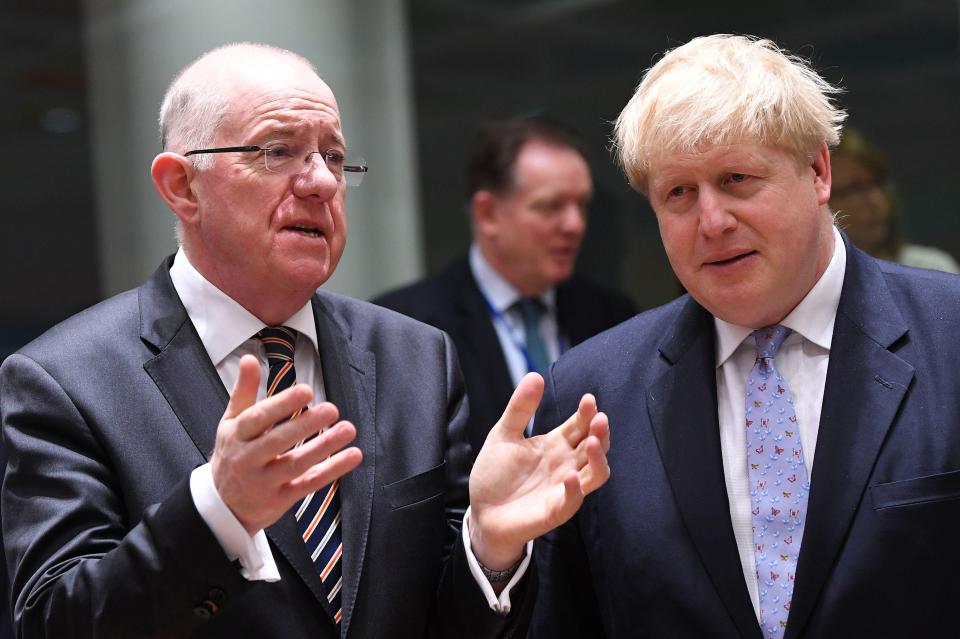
(193, 108)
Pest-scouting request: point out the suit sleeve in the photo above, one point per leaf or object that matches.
(566, 605)
(462, 608)
(78, 567)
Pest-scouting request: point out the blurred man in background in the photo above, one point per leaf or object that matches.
(514, 304)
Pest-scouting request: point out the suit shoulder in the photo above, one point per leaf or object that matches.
(109, 320)
(583, 289)
(431, 299)
(412, 298)
(356, 316)
(925, 291)
(640, 335)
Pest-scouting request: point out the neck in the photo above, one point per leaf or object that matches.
(272, 304)
(525, 288)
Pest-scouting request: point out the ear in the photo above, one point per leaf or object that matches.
(483, 208)
(172, 176)
(822, 179)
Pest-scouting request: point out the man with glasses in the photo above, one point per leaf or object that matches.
(226, 451)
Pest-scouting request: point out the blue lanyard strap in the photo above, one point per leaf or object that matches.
(497, 316)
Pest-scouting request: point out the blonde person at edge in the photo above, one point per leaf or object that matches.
(787, 458)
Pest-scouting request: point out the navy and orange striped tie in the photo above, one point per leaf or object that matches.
(318, 514)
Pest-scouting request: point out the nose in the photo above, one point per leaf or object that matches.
(715, 216)
(573, 221)
(316, 180)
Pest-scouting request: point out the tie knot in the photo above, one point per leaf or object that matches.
(531, 308)
(278, 341)
(769, 340)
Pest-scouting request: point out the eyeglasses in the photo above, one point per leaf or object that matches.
(292, 159)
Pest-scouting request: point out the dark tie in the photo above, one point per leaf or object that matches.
(318, 514)
(778, 481)
(532, 309)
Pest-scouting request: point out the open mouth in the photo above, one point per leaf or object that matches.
(309, 231)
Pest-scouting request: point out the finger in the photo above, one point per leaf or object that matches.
(568, 501)
(244, 392)
(286, 435)
(597, 471)
(296, 461)
(578, 425)
(322, 474)
(522, 406)
(266, 413)
(600, 428)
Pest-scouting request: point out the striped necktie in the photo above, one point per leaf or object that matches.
(318, 514)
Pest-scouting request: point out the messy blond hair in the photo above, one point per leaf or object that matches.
(725, 89)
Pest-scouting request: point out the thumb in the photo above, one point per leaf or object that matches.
(244, 393)
(522, 405)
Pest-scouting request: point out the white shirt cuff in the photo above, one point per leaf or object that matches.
(254, 554)
(499, 605)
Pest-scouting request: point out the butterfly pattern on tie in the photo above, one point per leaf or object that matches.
(318, 514)
(779, 482)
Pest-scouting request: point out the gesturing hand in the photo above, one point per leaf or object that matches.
(257, 469)
(521, 488)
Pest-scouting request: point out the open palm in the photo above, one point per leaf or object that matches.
(520, 487)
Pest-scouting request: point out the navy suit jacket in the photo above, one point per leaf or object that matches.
(653, 554)
(106, 415)
(452, 302)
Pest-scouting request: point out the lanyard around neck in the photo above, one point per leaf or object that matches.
(498, 317)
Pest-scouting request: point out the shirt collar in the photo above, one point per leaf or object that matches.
(222, 324)
(814, 316)
(498, 291)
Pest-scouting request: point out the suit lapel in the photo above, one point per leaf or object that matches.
(188, 380)
(181, 368)
(349, 378)
(682, 405)
(865, 386)
(478, 334)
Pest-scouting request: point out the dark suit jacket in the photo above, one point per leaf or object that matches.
(653, 554)
(106, 415)
(452, 302)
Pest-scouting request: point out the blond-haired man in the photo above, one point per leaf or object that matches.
(786, 462)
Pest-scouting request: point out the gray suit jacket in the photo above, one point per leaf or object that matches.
(106, 415)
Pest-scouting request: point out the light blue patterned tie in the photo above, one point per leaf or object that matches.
(778, 481)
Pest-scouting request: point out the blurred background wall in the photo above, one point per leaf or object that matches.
(82, 81)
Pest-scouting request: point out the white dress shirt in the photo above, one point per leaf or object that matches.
(508, 321)
(802, 360)
(227, 331)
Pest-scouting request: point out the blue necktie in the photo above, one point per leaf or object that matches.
(778, 481)
(531, 309)
(318, 514)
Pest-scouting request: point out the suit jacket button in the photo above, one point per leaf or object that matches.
(202, 612)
